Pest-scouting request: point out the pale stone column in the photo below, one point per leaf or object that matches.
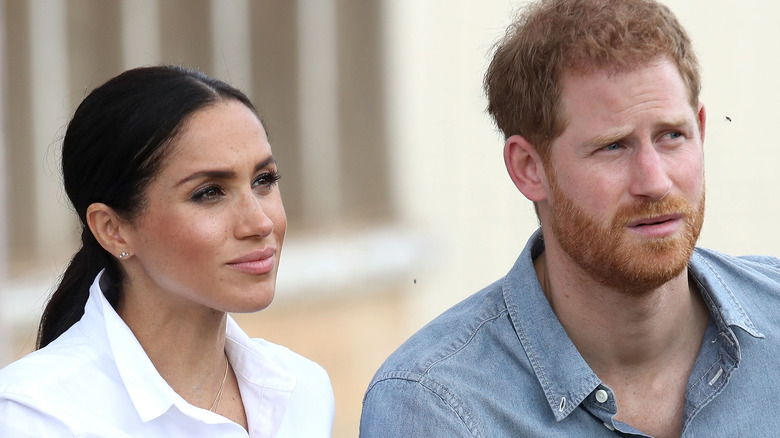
(231, 43)
(53, 223)
(318, 103)
(140, 33)
(5, 329)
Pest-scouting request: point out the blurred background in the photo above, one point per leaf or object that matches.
(396, 193)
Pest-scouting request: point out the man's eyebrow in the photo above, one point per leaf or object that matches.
(607, 138)
(679, 122)
(222, 174)
(616, 135)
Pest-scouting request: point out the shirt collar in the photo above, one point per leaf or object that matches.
(718, 277)
(265, 386)
(563, 374)
(150, 393)
(252, 363)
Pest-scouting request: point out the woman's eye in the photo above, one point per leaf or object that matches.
(612, 147)
(266, 180)
(673, 135)
(206, 194)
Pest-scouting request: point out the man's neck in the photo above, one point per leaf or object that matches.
(615, 330)
(643, 346)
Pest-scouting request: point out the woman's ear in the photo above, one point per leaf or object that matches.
(108, 229)
(526, 168)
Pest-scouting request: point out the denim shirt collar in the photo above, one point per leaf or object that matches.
(563, 374)
(717, 287)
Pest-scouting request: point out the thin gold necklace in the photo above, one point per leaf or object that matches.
(221, 386)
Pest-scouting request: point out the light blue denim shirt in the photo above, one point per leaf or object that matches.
(499, 364)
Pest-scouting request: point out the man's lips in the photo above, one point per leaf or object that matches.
(255, 262)
(657, 226)
(655, 220)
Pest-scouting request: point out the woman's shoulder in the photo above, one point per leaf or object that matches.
(62, 366)
(292, 362)
(312, 400)
(42, 389)
(256, 354)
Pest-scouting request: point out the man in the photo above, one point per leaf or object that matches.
(610, 322)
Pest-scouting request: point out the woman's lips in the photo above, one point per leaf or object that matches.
(255, 263)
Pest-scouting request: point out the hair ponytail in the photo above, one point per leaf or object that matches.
(114, 145)
(66, 304)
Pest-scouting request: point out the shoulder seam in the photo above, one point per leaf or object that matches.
(439, 390)
(467, 341)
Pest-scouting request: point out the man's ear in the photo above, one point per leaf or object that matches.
(108, 228)
(526, 168)
(702, 121)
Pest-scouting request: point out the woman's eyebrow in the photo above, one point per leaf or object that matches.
(220, 173)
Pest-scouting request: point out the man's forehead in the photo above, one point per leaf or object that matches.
(604, 106)
(659, 81)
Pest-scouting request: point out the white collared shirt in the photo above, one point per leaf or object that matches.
(96, 381)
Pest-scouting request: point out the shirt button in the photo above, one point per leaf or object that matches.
(601, 396)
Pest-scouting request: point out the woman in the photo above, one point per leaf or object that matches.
(172, 177)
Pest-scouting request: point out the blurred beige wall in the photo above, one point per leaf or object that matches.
(393, 175)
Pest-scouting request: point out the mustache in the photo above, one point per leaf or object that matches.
(644, 209)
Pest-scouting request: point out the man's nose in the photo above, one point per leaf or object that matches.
(649, 174)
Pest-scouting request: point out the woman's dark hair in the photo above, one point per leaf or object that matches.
(113, 147)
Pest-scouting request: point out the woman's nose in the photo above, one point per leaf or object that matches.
(252, 219)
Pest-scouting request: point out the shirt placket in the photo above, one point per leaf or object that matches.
(601, 404)
(719, 356)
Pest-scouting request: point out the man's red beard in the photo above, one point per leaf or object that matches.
(615, 258)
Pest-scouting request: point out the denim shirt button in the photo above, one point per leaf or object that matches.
(601, 396)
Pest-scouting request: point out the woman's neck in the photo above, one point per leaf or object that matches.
(184, 341)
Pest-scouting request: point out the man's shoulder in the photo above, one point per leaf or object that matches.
(761, 262)
(442, 379)
(452, 337)
(746, 289)
(735, 270)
